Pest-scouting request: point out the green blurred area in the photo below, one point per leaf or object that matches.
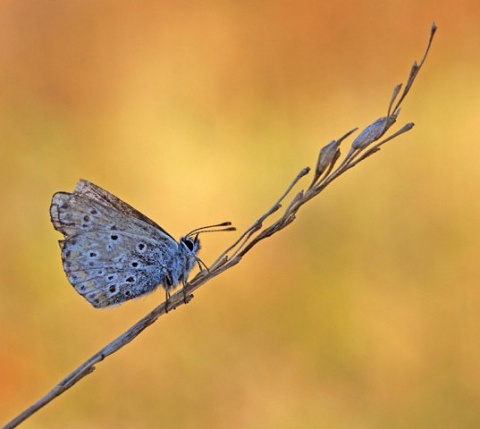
(364, 313)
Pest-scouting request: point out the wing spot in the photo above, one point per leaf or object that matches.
(141, 247)
(130, 279)
(114, 237)
(112, 288)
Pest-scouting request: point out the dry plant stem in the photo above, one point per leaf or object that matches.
(362, 147)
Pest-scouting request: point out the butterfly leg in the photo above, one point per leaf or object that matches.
(185, 300)
(201, 265)
(167, 299)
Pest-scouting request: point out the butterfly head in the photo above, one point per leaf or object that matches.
(191, 243)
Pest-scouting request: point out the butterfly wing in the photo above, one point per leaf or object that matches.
(109, 254)
(102, 196)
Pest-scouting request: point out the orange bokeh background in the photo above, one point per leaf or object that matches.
(364, 313)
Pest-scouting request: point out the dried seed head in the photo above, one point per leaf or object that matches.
(374, 131)
(328, 155)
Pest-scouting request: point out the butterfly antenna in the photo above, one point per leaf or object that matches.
(219, 227)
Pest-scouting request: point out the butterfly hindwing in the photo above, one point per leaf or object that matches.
(105, 274)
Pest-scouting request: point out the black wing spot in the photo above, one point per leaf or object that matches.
(141, 247)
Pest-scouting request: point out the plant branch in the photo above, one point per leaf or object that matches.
(364, 145)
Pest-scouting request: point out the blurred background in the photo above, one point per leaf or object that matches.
(364, 313)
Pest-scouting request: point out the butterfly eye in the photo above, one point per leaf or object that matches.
(189, 243)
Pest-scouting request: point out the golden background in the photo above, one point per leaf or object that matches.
(364, 313)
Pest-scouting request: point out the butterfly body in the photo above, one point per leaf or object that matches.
(111, 252)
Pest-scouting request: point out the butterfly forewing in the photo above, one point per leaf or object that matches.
(100, 195)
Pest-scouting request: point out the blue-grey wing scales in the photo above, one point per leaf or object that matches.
(111, 252)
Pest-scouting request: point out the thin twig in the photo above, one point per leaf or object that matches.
(361, 148)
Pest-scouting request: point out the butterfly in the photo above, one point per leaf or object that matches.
(112, 253)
